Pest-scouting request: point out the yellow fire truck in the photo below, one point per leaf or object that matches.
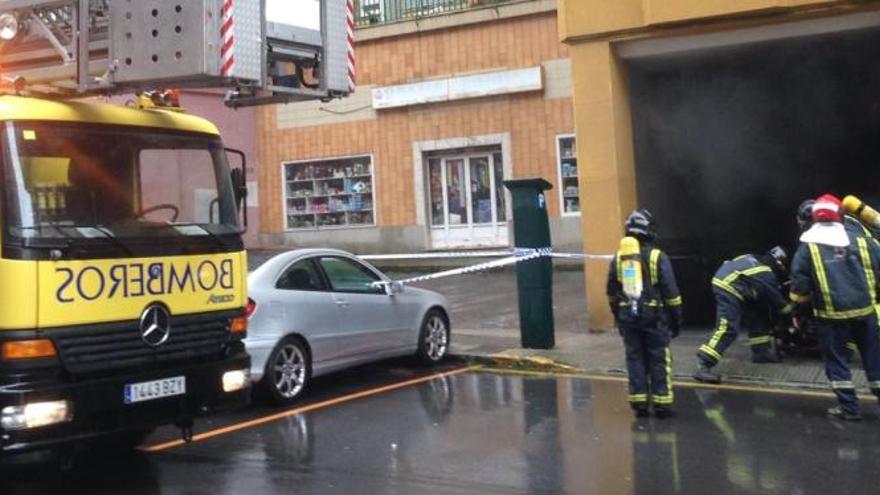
(123, 300)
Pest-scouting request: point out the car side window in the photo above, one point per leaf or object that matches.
(350, 276)
(302, 275)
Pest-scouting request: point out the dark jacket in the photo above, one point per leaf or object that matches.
(750, 279)
(837, 283)
(660, 304)
(855, 226)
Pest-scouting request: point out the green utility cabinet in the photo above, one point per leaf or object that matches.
(534, 278)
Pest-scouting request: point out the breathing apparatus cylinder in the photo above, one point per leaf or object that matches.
(631, 272)
(869, 216)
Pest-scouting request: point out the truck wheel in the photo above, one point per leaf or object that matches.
(288, 371)
(433, 338)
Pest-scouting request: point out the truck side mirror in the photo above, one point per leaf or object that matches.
(239, 184)
(239, 187)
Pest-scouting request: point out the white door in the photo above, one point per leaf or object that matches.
(467, 201)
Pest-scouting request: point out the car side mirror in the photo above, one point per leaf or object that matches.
(393, 288)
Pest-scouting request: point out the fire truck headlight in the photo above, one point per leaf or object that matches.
(235, 380)
(35, 414)
(8, 26)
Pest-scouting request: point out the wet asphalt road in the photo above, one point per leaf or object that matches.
(474, 432)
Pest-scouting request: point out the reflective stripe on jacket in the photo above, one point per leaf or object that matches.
(839, 283)
(748, 279)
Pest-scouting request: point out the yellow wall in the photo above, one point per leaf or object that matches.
(582, 18)
(585, 17)
(608, 177)
(601, 101)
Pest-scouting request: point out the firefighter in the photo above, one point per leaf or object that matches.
(852, 225)
(805, 216)
(748, 292)
(646, 304)
(834, 280)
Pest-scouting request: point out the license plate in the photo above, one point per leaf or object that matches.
(156, 389)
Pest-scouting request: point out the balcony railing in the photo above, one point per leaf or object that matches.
(372, 12)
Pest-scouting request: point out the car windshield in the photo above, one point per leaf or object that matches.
(81, 181)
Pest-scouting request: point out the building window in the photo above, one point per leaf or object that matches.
(332, 193)
(371, 12)
(566, 152)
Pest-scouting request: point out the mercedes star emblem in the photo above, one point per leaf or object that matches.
(155, 325)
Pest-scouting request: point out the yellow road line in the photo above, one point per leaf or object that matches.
(299, 410)
(722, 386)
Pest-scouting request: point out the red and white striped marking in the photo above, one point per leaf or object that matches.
(351, 58)
(227, 49)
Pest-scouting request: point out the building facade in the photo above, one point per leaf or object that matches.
(447, 107)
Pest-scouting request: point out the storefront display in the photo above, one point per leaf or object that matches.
(329, 193)
(568, 175)
(467, 198)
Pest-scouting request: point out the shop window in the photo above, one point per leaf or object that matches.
(566, 151)
(333, 193)
(500, 194)
(467, 190)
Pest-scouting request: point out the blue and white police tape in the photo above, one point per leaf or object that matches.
(584, 256)
(438, 255)
(511, 257)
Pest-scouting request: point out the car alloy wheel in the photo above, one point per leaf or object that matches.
(435, 337)
(289, 370)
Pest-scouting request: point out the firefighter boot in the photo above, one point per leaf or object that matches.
(663, 412)
(837, 412)
(640, 410)
(705, 374)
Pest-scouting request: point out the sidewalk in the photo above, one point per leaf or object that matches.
(485, 324)
(603, 354)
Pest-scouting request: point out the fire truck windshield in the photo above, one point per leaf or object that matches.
(115, 184)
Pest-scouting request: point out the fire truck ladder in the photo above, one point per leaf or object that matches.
(74, 48)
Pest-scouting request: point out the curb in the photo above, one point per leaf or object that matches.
(543, 364)
(528, 362)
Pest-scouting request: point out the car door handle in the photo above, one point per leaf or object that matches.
(342, 303)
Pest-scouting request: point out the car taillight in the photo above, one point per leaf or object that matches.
(251, 308)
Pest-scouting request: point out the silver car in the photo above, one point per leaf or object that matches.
(314, 311)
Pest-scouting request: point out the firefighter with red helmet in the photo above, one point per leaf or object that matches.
(835, 277)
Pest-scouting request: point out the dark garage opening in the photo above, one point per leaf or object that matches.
(730, 140)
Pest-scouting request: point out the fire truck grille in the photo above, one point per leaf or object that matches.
(118, 346)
